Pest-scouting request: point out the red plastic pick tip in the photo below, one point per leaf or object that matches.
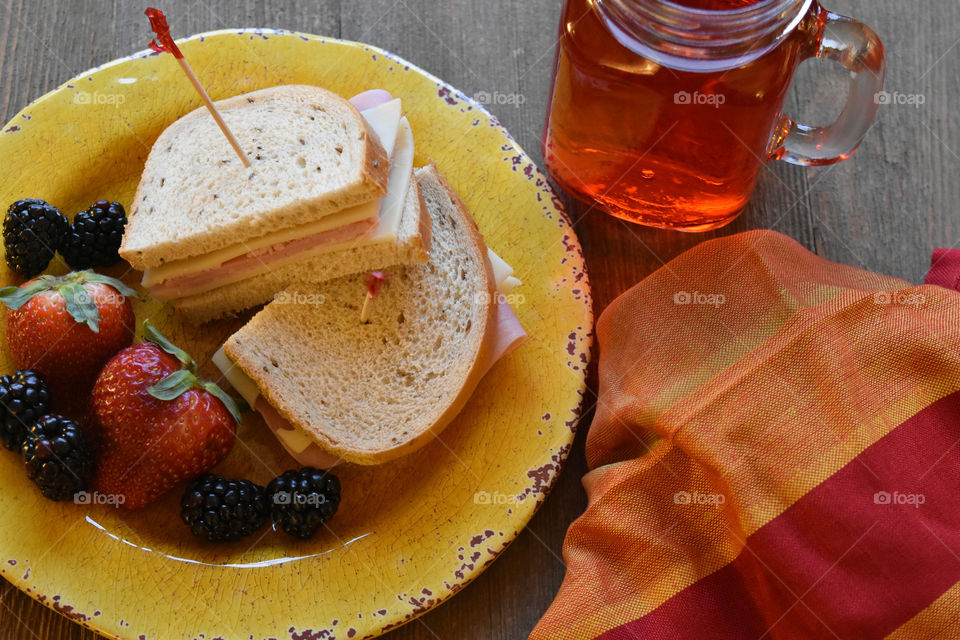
(164, 41)
(375, 282)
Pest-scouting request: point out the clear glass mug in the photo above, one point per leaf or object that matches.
(663, 113)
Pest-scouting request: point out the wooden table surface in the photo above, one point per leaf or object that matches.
(884, 210)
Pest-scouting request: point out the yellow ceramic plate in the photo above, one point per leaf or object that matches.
(409, 534)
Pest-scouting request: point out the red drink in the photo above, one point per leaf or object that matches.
(661, 145)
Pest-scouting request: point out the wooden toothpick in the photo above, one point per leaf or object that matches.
(164, 44)
(374, 284)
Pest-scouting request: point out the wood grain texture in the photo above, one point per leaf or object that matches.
(884, 210)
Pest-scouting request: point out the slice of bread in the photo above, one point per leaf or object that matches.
(312, 153)
(369, 393)
(411, 247)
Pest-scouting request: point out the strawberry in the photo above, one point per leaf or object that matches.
(155, 422)
(67, 328)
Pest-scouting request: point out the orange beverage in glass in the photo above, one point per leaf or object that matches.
(663, 113)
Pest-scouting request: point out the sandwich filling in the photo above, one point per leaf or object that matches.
(252, 263)
(372, 222)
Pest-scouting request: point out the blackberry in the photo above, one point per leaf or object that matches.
(32, 232)
(24, 398)
(57, 458)
(94, 237)
(302, 501)
(219, 509)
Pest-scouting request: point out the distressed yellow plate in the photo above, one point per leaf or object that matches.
(409, 534)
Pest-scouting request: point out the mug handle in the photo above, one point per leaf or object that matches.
(855, 46)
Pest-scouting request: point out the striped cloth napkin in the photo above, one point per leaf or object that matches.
(775, 454)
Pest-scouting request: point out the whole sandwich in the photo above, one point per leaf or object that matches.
(331, 195)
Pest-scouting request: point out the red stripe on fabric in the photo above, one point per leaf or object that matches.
(839, 562)
(945, 269)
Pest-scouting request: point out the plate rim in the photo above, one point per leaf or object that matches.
(573, 254)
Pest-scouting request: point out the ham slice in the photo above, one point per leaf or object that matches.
(244, 266)
(509, 335)
(370, 99)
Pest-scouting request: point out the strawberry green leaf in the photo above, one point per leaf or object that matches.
(16, 297)
(153, 335)
(175, 385)
(232, 406)
(122, 289)
(80, 305)
(179, 382)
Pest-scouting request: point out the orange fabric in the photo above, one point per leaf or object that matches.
(733, 382)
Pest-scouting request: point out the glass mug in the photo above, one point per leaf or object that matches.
(663, 113)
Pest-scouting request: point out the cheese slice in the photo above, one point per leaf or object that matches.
(241, 382)
(509, 284)
(391, 207)
(502, 273)
(385, 120)
(501, 270)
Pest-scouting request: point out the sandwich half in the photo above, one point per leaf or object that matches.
(327, 181)
(335, 389)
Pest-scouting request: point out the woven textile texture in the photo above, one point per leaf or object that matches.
(775, 454)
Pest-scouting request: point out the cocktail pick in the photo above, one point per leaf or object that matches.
(164, 44)
(374, 284)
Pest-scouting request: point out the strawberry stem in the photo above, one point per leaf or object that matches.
(153, 335)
